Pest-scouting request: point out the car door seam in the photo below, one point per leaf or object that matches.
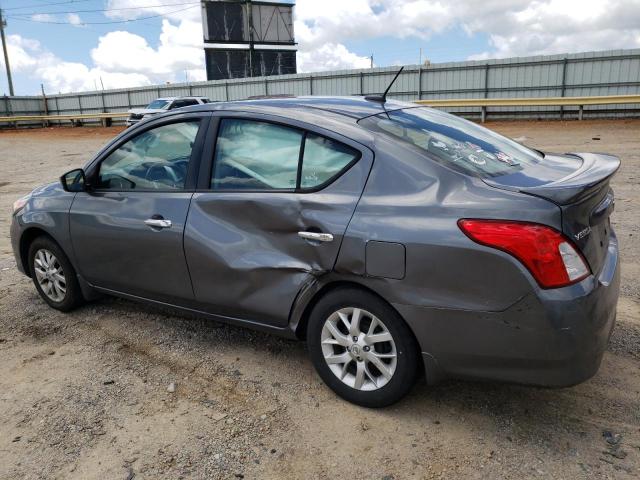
(184, 251)
(335, 260)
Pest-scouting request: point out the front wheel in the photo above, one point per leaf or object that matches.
(362, 348)
(53, 275)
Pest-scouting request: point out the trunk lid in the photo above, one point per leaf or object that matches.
(579, 185)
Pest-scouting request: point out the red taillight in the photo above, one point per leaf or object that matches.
(548, 254)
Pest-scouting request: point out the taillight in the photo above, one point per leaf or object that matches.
(548, 254)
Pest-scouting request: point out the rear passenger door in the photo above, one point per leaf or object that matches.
(270, 214)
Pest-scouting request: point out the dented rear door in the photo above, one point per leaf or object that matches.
(245, 254)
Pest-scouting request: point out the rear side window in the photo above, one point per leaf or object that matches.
(323, 159)
(255, 155)
(454, 141)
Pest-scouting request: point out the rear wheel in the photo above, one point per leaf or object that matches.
(53, 275)
(361, 348)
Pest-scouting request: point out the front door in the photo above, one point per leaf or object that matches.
(279, 201)
(127, 231)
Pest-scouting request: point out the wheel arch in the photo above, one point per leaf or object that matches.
(26, 239)
(428, 365)
(299, 324)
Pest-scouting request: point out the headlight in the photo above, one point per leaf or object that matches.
(20, 203)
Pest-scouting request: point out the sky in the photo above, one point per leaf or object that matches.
(80, 45)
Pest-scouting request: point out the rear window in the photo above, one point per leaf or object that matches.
(454, 141)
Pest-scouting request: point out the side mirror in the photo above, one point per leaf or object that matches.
(74, 181)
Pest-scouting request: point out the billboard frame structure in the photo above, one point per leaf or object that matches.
(248, 38)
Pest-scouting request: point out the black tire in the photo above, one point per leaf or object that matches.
(407, 352)
(73, 295)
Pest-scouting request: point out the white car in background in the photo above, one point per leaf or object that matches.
(160, 105)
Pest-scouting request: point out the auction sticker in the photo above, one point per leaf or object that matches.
(477, 160)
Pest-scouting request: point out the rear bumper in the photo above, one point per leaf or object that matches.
(550, 338)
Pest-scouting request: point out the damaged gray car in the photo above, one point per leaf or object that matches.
(397, 240)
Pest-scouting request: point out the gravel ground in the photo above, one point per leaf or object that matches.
(122, 390)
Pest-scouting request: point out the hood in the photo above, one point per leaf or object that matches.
(145, 111)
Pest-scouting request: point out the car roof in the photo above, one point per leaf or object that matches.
(353, 107)
(178, 98)
(336, 114)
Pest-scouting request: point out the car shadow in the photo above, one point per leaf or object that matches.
(525, 413)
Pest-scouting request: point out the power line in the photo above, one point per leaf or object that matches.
(106, 10)
(103, 23)
(46, 4)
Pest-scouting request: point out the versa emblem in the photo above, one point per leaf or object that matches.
(582, 233)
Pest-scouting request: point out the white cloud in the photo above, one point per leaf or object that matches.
(180, 48)
(316, 52)
(19, 48)
(338, 20)
(330, 56)
(323, 28)
(515, 27)
(74, 19)
(42, 17)
(29, 57)
(559, 26)
(121, 59)
(129, 9)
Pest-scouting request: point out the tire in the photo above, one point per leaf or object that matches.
(46, 256)
(358, 379)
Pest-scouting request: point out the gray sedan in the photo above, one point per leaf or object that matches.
(397, 240)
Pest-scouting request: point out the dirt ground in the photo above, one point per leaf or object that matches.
(85, 395)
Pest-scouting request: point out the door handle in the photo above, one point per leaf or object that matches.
(158, 223)
(316, 236)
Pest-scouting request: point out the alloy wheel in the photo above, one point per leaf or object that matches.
(49, 275)
(359, 349)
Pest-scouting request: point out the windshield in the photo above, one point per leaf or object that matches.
(454, 141)
(158, 104)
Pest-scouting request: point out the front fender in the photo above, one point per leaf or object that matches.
(46, 211)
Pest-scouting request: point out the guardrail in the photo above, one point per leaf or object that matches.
(75, 119)
(580, 102)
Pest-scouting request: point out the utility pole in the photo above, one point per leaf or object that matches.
(46, 105)
(6, 55)
(420, 57)
(251, 44)
(371, 59)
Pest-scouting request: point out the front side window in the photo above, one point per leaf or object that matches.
(254, 155)
(157, 159)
